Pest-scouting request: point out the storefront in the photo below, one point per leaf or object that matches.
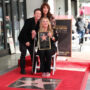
(12, 16)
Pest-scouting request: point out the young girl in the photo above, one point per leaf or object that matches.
(45, 55)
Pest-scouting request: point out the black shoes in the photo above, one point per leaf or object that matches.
(31, 72)
(23, 71)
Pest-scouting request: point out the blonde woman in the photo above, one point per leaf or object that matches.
(45, 55)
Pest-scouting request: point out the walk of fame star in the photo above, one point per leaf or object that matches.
(36, 83)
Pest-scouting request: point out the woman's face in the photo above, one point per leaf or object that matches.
(45, 23)
(45, 10)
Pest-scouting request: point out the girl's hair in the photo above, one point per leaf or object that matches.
(49, 15)
(49, 26)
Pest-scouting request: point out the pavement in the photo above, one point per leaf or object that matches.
(81, 51)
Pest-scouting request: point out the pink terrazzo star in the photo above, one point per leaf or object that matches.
(37, 82)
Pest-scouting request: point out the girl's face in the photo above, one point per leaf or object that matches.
(45, 10)
(45, 23)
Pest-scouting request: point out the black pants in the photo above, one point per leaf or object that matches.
(23, 50)
(45, 60)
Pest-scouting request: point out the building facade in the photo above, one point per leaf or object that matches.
(18, 10)
(12, 16)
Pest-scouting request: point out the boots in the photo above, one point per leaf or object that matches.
(22, 71)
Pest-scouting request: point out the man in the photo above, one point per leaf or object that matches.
(80, 29)
(26, 37)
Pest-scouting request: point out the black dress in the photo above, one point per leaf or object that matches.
(45, 56)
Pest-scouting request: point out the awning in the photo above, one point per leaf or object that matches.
(85, 10)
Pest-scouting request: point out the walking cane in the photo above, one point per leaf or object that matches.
(33, 61)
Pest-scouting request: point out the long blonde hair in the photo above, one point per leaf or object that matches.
(49, 26)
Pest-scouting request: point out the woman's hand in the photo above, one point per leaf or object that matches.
(53, 38)
(50, 35)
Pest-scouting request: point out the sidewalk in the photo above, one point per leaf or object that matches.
(81, 51)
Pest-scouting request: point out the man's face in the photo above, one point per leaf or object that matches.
(37, 14)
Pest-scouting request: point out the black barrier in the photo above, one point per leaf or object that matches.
(63, 28)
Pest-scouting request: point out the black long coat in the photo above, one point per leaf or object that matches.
(25, 34)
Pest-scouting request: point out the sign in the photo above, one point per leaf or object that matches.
(44, 41)
(11, 45)
(63, 28)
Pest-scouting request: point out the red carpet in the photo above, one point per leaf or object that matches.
(70, 62)
(70, 80)
(73, 75)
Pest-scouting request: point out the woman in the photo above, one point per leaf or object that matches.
(45, 55)
(45, 9)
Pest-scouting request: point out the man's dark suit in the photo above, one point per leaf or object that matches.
(25, 36)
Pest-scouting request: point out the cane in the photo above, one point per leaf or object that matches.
(33, 61)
